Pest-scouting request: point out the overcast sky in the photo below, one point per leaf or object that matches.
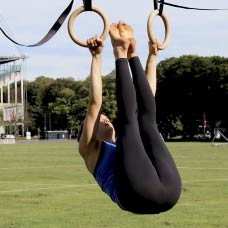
(203, 33)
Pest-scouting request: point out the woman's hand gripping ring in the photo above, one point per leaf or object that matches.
(150, 28)
(71, 25)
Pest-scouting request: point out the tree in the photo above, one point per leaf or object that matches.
(35, 113)
(188, 87)
(109, 98)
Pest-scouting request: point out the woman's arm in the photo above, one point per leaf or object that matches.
(88, 141)
(151, 66)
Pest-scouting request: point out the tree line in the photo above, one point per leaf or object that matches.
(191, 92)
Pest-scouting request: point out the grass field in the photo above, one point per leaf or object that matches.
(46, 185)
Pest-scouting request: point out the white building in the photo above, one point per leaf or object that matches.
(11, 96)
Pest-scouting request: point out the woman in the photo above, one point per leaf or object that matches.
(137, 171)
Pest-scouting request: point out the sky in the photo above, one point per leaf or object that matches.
(202, 33)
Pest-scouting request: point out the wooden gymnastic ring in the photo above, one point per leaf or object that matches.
(71, 25)
(150, 28)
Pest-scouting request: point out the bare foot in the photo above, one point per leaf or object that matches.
(127, 32)
(120, 44)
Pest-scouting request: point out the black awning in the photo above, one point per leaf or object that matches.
(4, 60)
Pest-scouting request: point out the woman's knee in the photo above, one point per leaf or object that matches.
(163, 196)
(172, 196)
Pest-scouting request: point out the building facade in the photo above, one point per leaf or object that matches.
(11, 96)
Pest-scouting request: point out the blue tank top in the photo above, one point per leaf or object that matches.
(104, 172)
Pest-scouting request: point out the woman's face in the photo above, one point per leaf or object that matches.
(106, 130)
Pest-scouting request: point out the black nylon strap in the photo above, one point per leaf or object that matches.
(161, 7)
(87, 5)
(155, 4)
(185, 7)
(51, 32)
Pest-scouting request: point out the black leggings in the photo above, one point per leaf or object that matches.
(146, 175)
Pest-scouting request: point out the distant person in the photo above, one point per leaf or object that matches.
(136, 170)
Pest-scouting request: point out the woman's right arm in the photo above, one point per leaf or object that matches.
(88, 141)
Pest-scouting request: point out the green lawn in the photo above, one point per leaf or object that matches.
(46, 185)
